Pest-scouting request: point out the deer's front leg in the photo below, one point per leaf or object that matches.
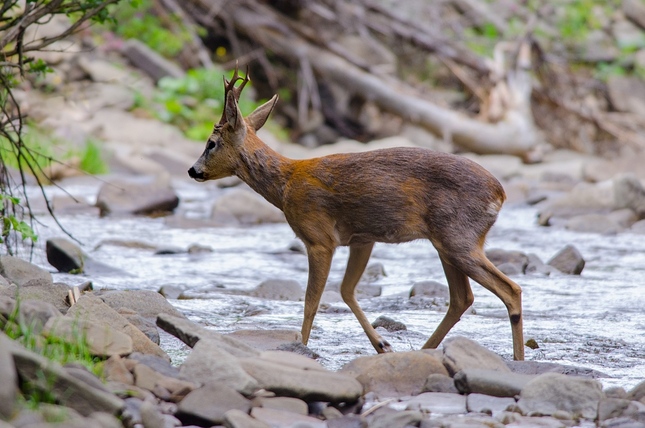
(319, 264)
(358, 257)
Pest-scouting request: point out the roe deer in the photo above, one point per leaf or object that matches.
(390, 195)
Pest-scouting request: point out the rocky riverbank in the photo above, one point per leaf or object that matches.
(227, 380)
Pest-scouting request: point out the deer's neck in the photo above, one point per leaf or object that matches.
(264, 170)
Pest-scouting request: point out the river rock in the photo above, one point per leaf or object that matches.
(389, 324)
(8, 380)
(438, 402)
(437, 382)
(490, 382)
(208, 363)
(637, 393)
(638, 227)
(20, 272)
(405, 418)
(102, 340)
(264, 340)
(136, 197)
(42, 290)
(593, 223)
(146, 303)
(515, 259)
(395, 374)
(551, 392)
(481, 403)
(627, 93)
(290, 404)
(242, 206)
(630, 193)
(460, 353)
(68, 390)
(568, 260)
(115, 370)
(149, 61)
(235, 418)
(537, 266)
(95, 310)
(191, 333)
(282, 418)
(146, 325)
(36, 313)
(206, 406)
(66, 256)
(430, 289)
(610, 408)
(278, 289)
(292, 380)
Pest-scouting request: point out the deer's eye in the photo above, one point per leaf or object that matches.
(211, 145)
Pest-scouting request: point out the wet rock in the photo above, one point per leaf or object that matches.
(623, 217)
(638, 227)
(489, 404)
(593, 223)
(40, 290)
(637, 393)
(158, 364)
(146, 303)
(297, 347)
(115, 370)
(149, 61)
(347, 421)
(437, 382)
(622, 423)
(172, 291)
(363, 290)
(373, 272)
(136, 197)
(568, 260)
(278, 289)
(538, 367)
(615, 392)
(550, 392)
(207, 405)
(490, 382)
(630, 193)
(292, 380)
(279, 418)
(395, 374)
(208, 363)
(199, 249)
(389, 324)
(537, 266)
(102, 340)
(430, 289)
(460, 353)
(145, 325)
(68, 390)
(19, 272)
(401, 419)
(438, 402)
(610, 408)
(89, 308)
(191, 333)
(8, 380)
(264, 340)
(289, 404)
(241, 206)
(238, 419)
(515, 260)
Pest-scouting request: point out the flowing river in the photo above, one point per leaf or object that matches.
(595, 320)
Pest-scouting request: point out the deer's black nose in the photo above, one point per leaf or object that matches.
(194, 174)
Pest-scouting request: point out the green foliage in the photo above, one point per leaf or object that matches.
(137, 20)
(194, 102)
(580, 17)
(92, 160)
(10, 222)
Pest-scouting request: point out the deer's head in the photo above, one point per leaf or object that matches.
(222, 153)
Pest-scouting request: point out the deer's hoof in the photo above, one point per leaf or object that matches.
(385, 346)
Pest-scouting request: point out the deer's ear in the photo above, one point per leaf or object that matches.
(258, 118)
(232, 113)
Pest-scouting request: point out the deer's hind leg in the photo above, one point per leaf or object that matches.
(358, 257)
(461, 298)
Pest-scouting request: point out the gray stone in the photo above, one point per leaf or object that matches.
(36, 313)
(460, 353)
(281, 418)
(278, 289)
(400, 419)
(289, 404)
(238, 419)
(593, 223)
(610, 408)
(430, 289)
(297, 347)
(241, 206)
(208, 363)
(114, 369)
(491, 382)
(568, 260)
(537, 266)
(637, 393)
(89, 308)
(439, 383)
(389, 324)
(306, 384)
(66, 256)
(627, 94)
(147, 303)
(627, 36)
(146, 325)
(68, 390)
(149, 61)
(438, 402)
(158, 364)
(207, 405)
(8, 380)
(20, 272)
(191, 333)
(41, 290)
(151, 417)
(638, 227)
(634, 10)
(395, 374)
(102, 340)
(347, 421)
(624, 217)
(101, 70)
(499, 257)
(265, 340)
(481, 403)
(136, 198)
(172, 291)
(538, 367)
(551, 392)
(622, 423)
(292, 360)
(510, 269)
(630, 193)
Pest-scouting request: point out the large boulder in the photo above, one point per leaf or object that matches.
(102, 340)
(568, 260)
(19, 271)
(147, 303)
(143, 196)
(241, 206)
(460, 353)
(66, 256)
(206, 406)
(42, 290)
(278, 289)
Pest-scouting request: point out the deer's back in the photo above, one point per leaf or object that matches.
(393, 195)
